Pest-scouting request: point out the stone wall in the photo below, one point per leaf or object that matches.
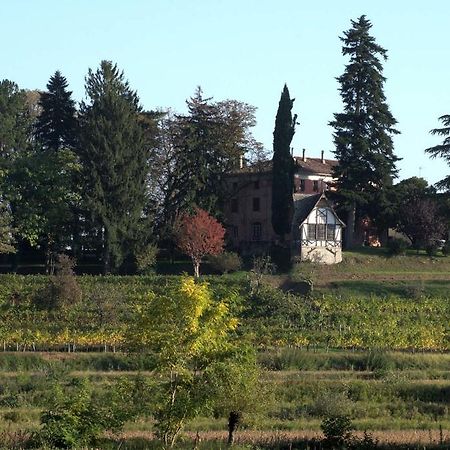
(321, 255)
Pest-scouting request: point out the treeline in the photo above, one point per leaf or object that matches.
(106, 178)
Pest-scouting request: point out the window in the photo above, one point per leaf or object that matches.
(256, 228)
(234, 205)
(235, 231)
(316, 186)
(256, 184)
(311, 231)
(235, 186)
(321, 232)
(302, 185)
(331, 232)
(256, 205)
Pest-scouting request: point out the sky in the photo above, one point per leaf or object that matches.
(244, 50)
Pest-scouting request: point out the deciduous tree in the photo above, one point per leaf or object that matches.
(186, 332)
(201, 148)
(199, 235)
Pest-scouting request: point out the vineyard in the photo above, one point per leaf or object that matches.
(108, 349)
(98, 315)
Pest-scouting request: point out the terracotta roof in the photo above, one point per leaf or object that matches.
(312, 165)
(315, 165)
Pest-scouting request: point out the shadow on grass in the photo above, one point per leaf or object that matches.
(406, 289)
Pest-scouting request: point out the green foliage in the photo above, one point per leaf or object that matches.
(432, 248)
(6, 231)
(43, 196)
(186, 332)
(14, 122)
(77, 419)
(56, 126)
(114, 157)
(283, 166)
(397, 247)
(63, 290)
(442, 150)
(363, 131)
(337, 431)
(225, 262)
(204, 146)
(146, 259)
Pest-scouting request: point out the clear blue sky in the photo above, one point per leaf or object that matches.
(244, 50)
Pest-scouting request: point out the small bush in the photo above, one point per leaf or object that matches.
(63, 288)
(378, 360)
(146, 259)
(397, 247)
(330, 403)
(337, 430)
(12, 416)
(226, 262)
(432, 248)
(77, 419)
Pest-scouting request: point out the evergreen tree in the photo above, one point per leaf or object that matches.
(363, 131)
(56, 126)
(283, 166)
(115, 162)
(6, 239)
(442, 150)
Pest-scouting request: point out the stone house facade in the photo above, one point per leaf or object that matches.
(248, 213)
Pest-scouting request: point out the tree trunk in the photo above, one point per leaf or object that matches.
(106, 254)
(196, 264)
(234, 419)
(350, 227)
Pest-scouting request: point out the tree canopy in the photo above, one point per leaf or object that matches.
(442, 150)
(363, 132)
(56, 126)
(114, 161)
(283, 166)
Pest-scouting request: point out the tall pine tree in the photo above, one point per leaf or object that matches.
(56, 126)
(442, 150)
(283, 166)
(363, 131)
(115, 162)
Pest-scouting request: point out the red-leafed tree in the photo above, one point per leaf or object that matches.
(198, 235)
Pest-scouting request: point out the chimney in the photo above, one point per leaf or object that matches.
(323, 160)
(241, 161)
(304, 155)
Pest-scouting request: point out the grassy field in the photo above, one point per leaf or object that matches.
(400, 398)
(371, 271)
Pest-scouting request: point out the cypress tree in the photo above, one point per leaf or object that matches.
(56, 125)
(115, 162)
(283, 166)
(363, 131)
